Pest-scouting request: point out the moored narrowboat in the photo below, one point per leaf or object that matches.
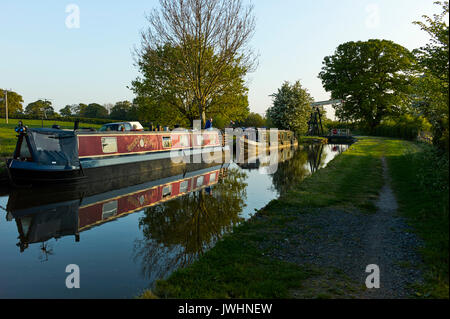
(260, 140)
(54, 155)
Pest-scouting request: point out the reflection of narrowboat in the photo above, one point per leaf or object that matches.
(41, 219)
(44, 155)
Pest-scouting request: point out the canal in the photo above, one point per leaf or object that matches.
(126, 237)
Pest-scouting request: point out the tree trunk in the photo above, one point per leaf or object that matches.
(201, 110)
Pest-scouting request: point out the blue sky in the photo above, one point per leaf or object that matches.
(41, 58)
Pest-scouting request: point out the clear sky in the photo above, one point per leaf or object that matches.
(41, 57)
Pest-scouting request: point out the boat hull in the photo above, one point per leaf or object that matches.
(110, 168)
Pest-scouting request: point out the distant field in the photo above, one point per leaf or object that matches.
(8, 135)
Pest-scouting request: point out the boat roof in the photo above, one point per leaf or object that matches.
(51, 131)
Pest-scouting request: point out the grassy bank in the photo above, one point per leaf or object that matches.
(312, 140)
(420, 181)
(237, 267)
(8, 137)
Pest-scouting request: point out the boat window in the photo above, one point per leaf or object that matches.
(127, 127)
(200, 180)
(46, 142)
(167, 142)
(109, 145)
(167, 191)
(109, 209)
(212, 177)
(184, 186)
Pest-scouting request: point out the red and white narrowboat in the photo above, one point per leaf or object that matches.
(54, 155)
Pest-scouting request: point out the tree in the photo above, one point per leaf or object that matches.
(108, 107)
(66, 111)
(432, 87)
(78, 109)
(149, 110)
(291, 108)
(198, 49)
(373, 78)
(253, 120)
(120, 110)
(14, 103)
(94, 110)
(166, 96)
(40, 109)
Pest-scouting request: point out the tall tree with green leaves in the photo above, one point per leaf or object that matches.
(66, 111)
(291, 108)
(166, 96)
(253, 120)
(201, 49)
(120, 110)
(15, 101)
(374, 78)
(40, 109)
(94, 110)
(433, 85)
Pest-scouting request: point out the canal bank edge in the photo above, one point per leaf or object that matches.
(263, 257)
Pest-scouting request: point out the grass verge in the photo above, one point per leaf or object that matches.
(312, 140)
(420, 181)
(237, 268)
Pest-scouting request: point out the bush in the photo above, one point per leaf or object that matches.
(406, 127)
(57, 117)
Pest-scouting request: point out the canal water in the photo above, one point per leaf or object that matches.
(124, 239)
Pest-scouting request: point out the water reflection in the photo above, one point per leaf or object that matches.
(178, 231)
(290, 172)
(38, 221)
(187, 212)
(146, 226)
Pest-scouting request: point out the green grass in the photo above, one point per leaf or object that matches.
(237, 267)
(355, 175)
(8, 137)
(311, 140)
(420, 181)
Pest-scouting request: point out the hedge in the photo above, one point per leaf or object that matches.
(64, 119)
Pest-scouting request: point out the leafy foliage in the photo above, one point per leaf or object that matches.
(40, 109)
(124, 110)
(291, 108)
(66, 111)
(432, 87)
(252, 120)
(373, 78)
(94, 110)
(14, 103)
(165, 96)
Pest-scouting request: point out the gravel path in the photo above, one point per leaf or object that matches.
(339, 245)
